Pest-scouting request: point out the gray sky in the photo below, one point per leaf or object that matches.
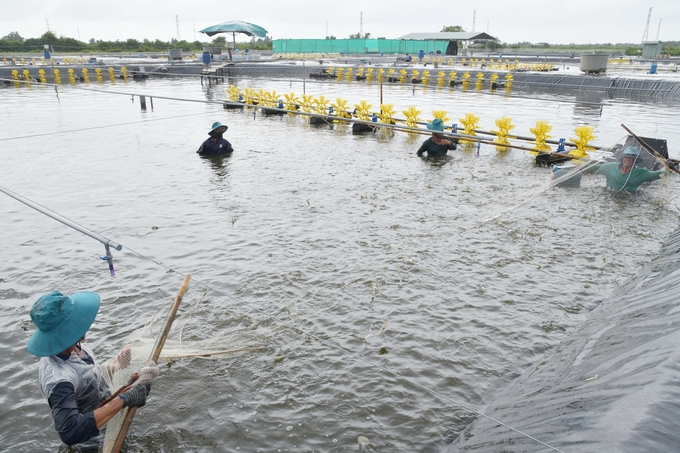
(556, 22)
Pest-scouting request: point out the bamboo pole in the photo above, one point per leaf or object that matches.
(473, 138)
(662, 159)
(158, 347)
(414, 130)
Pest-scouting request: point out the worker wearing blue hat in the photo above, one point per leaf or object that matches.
(437, 145)
(70, 377)
(625, 176)
(216, 144)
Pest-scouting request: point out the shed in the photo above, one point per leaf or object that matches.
(452, 37)
(651, 49)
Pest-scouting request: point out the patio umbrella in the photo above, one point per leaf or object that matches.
(236, 26)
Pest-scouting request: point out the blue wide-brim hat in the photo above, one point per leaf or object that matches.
(217, 125)
(61, 321)
(631, 151)
(436, 125)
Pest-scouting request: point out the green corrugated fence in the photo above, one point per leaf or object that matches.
(357, 46)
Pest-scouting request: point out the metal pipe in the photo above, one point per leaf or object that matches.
(62, 219)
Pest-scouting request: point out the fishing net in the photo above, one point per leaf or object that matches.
(626, 166)
(185, 340)
(571, 172)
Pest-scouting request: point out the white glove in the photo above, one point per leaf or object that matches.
(148, 373)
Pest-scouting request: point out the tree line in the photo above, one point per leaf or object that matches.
(13, 42)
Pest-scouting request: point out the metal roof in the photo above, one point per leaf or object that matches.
(448, 36)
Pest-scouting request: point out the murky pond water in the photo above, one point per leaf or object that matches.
(380, 292)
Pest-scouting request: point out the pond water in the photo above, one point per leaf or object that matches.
(381, 293)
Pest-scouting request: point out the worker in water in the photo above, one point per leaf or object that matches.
(407, 58)
(70, 378)
(216, 144)
(624, 176)
(437, 145)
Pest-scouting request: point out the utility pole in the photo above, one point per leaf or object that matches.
(361, 24)
(177, 22)
(649, 16)
(474, 17)
(47, 22)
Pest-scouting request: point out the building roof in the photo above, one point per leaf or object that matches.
(448, 36)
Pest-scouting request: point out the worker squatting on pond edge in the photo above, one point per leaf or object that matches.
(70, 378)
(437, 145)
(216, 144)
(625, 176)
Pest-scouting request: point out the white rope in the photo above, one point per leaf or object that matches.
(297, 112)
(68, 131)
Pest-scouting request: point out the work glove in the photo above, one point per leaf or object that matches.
(136, 396)
(146, 374)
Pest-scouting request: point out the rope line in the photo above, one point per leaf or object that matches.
(100, 127)
(330, 117)
(336, 346)
(333, 81)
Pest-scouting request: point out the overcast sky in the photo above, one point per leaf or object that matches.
(556, 22)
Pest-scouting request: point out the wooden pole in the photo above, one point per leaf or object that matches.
(158, 347)
(651, 150)
(472, 138)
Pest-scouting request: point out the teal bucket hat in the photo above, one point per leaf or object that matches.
(61, 321)
(631, 151)
(436, 125)
(217, 125)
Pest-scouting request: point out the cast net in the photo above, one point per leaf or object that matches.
(648, 157)
(627, 165)
(185, 340)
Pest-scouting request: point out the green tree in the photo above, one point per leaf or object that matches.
(14, 36)
(220, 41)
(132, 44)
(49, 38)
(184, 45)
(452, 29)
